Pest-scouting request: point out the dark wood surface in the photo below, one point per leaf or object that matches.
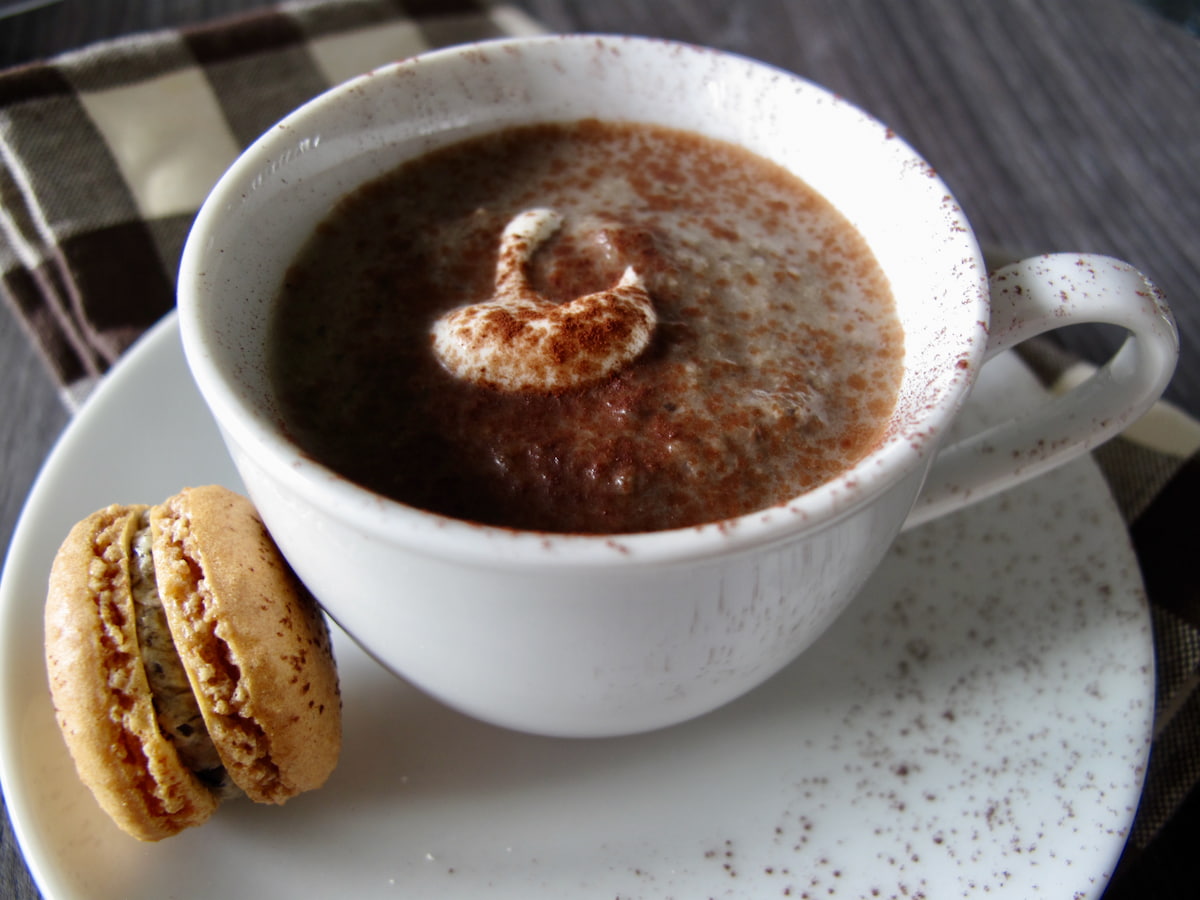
(1072, 125)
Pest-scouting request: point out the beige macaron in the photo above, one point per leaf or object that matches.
(187, 663)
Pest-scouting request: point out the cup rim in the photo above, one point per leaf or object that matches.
(387, 520)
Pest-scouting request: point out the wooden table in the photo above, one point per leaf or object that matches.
(1072, 125)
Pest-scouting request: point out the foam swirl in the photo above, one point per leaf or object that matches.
(521, 341)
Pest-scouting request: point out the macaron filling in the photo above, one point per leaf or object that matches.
(175, 706)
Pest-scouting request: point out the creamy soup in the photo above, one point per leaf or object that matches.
(764, 357)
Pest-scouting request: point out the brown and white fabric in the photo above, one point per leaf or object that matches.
(106, 153)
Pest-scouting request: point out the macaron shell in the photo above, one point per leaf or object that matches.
(101, 696)
(254, 643)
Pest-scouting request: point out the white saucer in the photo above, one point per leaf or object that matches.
(977, 722)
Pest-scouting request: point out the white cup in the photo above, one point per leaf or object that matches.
(603, 635)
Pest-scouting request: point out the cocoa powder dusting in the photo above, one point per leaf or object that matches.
(774, 364)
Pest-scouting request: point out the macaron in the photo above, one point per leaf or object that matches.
(187, 663)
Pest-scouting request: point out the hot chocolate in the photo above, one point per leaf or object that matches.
(731, 341)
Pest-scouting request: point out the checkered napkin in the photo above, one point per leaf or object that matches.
(107, 153)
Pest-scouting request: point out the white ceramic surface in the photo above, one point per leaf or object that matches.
(975, 724)
(597, 636)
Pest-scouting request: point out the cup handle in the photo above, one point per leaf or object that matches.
(1029, 298)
